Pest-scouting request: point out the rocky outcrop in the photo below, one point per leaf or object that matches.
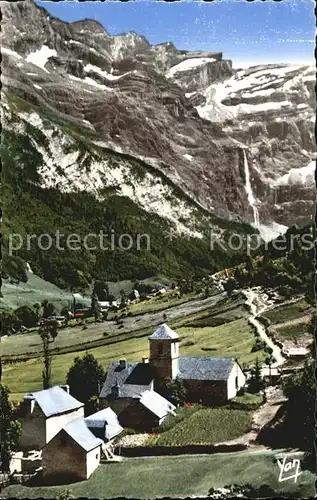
(187, 114)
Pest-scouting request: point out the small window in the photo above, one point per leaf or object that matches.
(97, 456)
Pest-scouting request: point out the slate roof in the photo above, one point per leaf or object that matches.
(156, 404)
(137, 376)
(163, 332)
(105, 418)
(77, 429)
(54, 401)
(203, 368)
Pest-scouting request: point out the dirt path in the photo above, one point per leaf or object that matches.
(261, 417)
(258, 302)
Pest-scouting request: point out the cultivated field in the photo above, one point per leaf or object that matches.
(288, 312)
(175, 476)
(205, 426)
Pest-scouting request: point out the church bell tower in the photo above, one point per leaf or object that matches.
(164, 352)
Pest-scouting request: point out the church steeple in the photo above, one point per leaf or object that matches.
(164, 352)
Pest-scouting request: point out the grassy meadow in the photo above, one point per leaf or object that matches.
(231, 339)
(176, 476)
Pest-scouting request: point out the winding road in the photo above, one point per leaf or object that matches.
(258, 302)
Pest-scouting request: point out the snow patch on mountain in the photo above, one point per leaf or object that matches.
(10, 52)
(188, 64)
(302, 176)
(236, 96)
(41, 56)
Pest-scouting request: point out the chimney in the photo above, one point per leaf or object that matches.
(145, 359)
(123, 363)
(65, 388)
(28, 403)
(115, 390)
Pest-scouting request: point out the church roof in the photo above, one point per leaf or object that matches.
(163, 332)
(131, 379)
(203, 368)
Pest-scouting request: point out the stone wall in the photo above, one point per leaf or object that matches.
(206, 391)
(63, 458)
(136, 416)
(33, 429)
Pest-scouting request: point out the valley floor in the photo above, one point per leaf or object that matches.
(176, 476)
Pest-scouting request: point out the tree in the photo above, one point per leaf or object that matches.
(47, 361)
(48, 309)
(123, 299)
(9, 322)
(95, 306)
(230, 285)
(175, 391)
(10, 429)
(101, 289)
(300, 390)
(84, 378)
(47, 332)
(256, 381)
(28, 316)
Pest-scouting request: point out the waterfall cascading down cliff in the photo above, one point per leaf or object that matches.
(248, 188)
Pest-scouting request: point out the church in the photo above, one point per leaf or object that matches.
(208, 380)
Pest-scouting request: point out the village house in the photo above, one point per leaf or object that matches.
(129, 391)
(104, 424)
(73, 453)
(44, 413)
(209, 380)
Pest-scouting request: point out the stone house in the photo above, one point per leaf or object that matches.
(128, 390)
(73, 453)
(146, 411)
(104, 424)
(209, 380)
(44, 413)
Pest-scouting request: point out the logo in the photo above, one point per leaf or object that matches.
(289, 468)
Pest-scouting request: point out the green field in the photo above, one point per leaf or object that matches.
(288, 312)
(34, 290)
(231, 339)
(174, 476)
(205, 426)
(293, 332)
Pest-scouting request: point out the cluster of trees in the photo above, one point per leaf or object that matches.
(174, 391)
(300, 390)
(286, 263)
(81, 213)
(84, 378)
(10, 428)
(28, 316)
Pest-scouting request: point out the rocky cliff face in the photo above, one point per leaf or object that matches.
(188, 115)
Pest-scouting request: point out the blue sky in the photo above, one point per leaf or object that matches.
(244, 31)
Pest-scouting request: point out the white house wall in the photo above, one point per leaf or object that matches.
(56, 423)
(231, 383)
(92, 461)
